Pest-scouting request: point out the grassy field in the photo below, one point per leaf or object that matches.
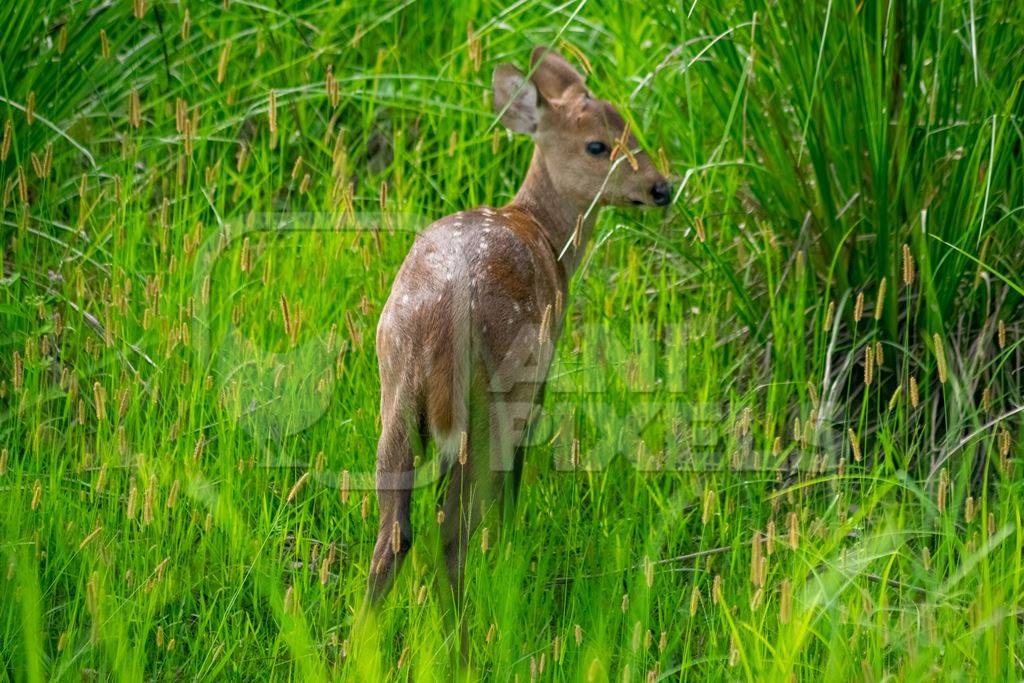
(782, 438)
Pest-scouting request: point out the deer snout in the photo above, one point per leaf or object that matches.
(661, 193)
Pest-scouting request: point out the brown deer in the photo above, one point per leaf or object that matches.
(467, 334)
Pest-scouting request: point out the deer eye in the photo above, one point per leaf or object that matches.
(597, 148)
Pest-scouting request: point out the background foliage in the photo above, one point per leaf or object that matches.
(825, 324)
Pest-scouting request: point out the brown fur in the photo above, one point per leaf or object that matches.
(467, 335)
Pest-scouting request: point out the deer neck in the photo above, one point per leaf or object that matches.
(557, 213)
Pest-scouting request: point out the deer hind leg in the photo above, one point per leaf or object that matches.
(395, 477)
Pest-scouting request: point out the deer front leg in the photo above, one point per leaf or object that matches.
(477, 480)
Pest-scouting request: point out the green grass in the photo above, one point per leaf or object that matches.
(159, 418)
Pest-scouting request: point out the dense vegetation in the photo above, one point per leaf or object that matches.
(782, 436)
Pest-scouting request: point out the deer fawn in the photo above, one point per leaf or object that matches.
(467, 334)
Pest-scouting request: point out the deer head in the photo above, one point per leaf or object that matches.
(579, 138)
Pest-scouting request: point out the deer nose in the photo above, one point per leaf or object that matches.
(661, 193)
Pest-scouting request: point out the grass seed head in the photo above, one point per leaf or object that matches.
(755, 558)
(245, 257)
(474, 46)
(133, 500)
(37, 494)
(294, 492)
(785, 601)
(463, 448)
(223, 60)
(331, 87)
(638, 636)
(346, 484)
(134, 109)
(895, 398)
(1004, 442)
(869, 364)
(99, 394)
(544, 334)
(854, 445)
(197, 451)
(396, 537)
(880, 300)
(172, 495)
(717, 596)
(709, 504)
(288, 605)
(940, 358)
(18, 371)
(272, 112)
(858, 308)
(908, 266)
(5, 146)
(22, 184)
(147, 503)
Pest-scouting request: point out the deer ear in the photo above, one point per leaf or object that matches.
(553, 75)
(515, 99)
